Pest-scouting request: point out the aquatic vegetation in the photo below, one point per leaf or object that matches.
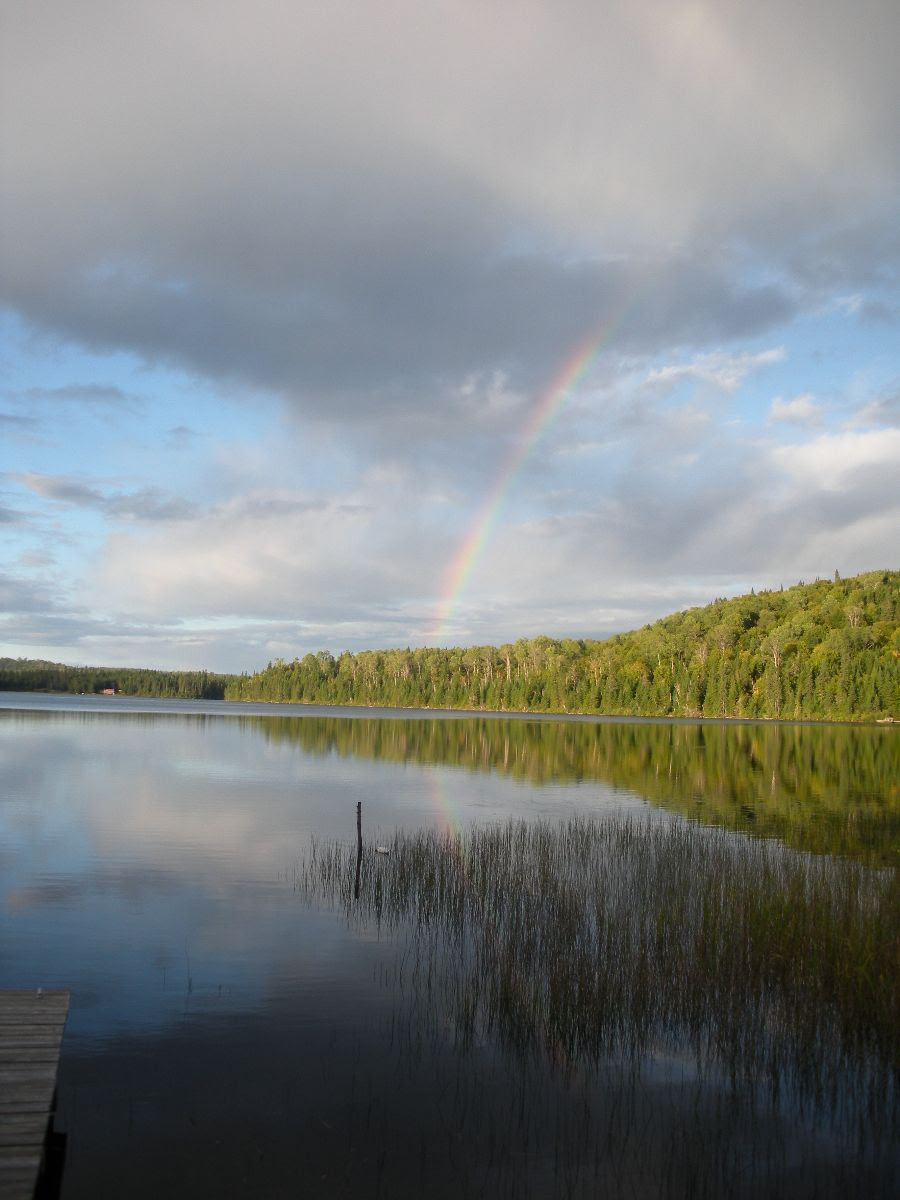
(601, 941)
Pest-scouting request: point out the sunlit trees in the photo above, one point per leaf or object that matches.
(830, 649)
(826, 650)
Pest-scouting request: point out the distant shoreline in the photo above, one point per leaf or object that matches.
(394, 712)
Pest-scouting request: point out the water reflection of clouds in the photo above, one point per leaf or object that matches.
(147, 867)
(151, 867)
(136, 840)
(138, 948)
(197, 833)
(130, 885)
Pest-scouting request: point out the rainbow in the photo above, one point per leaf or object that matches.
(445, 810)
(467, 557)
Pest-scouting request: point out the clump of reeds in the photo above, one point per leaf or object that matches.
(619, 938)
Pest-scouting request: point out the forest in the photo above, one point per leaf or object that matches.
(828, 650)
(36, 675)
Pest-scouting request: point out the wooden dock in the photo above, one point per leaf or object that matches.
(31, 1030)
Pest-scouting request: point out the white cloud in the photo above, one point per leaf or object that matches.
(799, 410)
(388, 227)
(724, 371)
(834, 462)
(268, 555)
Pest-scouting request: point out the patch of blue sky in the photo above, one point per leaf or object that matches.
(113, 414)
(836, 358)
(845, 356)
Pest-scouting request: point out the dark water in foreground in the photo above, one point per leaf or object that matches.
(242, 1028)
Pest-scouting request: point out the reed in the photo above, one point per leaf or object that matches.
(620, 940)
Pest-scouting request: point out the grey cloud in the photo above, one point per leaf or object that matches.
(45, 628)
(864, 253)
(338, 220)
(16, 421)
(728, 521)
(883, 411)
(877, 312)
(299, 200)
(146, 504)
(68, 491)
(40, 615)
(245, 646)
(382, 341)
(24, 595)
(78, 393)
(733, 509)
(181, 435)
(263, 507)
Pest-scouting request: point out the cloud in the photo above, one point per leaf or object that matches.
(662, 539)
(272, 555)
(697, 510)
(354, 217)
(839, 462)
(14, 421)
(368, 240)
(799, 410)
(885, 410)
(878, 312)
(724, 371)
(395, 334)
(24, 595)
(77, 393)
(146, 504)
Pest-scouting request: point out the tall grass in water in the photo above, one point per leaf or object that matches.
(596, 941)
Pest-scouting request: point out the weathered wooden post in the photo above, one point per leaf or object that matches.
(358, 847)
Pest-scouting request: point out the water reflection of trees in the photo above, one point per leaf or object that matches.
(828, 789)
(600, 944)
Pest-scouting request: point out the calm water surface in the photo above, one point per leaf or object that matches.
(230, 1035)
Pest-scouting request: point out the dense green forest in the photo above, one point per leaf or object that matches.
(825, 650)
(35, 675)
(828, 650)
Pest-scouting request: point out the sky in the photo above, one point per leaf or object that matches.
(352, 326)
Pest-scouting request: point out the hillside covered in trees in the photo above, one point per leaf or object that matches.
(36, 675)
(828, 650)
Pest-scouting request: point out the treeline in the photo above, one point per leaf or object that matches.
(828, 650)
(34, 675)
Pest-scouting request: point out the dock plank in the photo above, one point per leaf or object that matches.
(31, 1030)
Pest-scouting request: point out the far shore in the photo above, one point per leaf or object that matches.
(395, 711)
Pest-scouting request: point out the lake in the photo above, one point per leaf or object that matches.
(648, 958)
